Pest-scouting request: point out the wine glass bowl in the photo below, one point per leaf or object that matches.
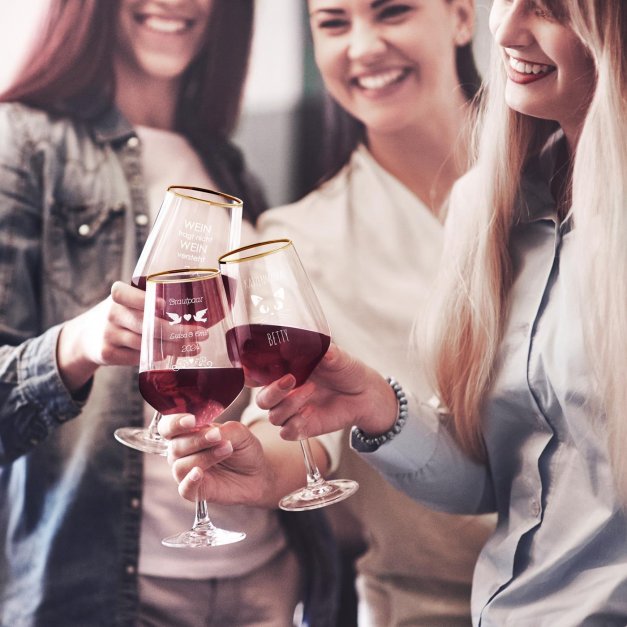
(185, 366)
(279, 325)
(279, 328)
(193, 227)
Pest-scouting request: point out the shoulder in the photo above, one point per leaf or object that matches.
(26, 128)
(16, 118)
(313, 209)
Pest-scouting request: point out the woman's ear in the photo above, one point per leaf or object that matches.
(464, 21)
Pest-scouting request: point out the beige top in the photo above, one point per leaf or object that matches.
(371, 249)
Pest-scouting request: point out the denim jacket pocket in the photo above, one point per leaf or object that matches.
(85, 249)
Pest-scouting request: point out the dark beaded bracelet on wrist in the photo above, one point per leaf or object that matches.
(366, 443)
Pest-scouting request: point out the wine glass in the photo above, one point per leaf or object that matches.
(193, 227)
(185, 366)
(279, 328)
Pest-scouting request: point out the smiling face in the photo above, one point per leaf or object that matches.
(550, 74)
(390, 63)
(160, 38)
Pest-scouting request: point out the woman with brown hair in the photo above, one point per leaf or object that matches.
(117, 100)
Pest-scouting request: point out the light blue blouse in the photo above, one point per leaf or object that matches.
(558, 556)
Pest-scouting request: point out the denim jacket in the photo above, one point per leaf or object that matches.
(73, 219)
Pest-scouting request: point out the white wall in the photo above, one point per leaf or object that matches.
(19, 20)
(273, 90)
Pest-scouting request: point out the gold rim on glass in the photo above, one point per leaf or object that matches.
(229, 201)
(162, 277)
(236, 259)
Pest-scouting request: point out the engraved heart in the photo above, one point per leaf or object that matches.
(187, 316)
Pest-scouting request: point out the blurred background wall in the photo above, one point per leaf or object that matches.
(279, 129)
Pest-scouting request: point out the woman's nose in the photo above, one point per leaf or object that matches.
(509, 24)
(366, 43)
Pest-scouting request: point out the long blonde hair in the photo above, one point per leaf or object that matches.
(465, 320)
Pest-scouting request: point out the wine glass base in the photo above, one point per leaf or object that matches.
(203, 537)
(141, 440)
(327, 493)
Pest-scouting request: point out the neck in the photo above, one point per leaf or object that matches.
(431, 158)
(146, 101)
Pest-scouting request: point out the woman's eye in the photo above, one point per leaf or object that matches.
(394, 11)
(332, 24)
(543, 12)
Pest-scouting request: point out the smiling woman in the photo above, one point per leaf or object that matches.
(155, 43)
(89, 141)
(551, 75)
(401, 77)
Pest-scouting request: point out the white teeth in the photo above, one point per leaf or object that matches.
(528, 68)
(379, 81)
(165, 24)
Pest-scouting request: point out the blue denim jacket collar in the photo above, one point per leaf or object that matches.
(112, 127)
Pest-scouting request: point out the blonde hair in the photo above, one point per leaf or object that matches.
(465, 319)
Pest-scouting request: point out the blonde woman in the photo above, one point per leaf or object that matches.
(528, 334)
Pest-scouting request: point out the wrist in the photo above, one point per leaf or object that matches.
(75, 369)
(382, 408)
(369, 441)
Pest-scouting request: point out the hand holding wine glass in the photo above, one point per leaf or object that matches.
(279, 328)
(193, 227)
(185, 366)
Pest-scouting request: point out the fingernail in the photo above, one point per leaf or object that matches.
(213, 435)
(195, 475)
(287, 382)
(187, 422)
(226, 448)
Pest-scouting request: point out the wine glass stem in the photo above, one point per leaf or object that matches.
(153, 432)
(314, 478)
(202, 520)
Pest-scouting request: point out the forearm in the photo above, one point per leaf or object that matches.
(425, 462)
(74, 367)
(33, 397)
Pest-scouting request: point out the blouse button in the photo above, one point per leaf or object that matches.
(132, 142)
(84, 230)
(141, 219)
(135, 502)
(130, 569)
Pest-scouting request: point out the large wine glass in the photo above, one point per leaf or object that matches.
(279, 328)
(193, 228)
(185, 366)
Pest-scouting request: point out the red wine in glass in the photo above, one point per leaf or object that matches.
(279, 328)
(185, 366)
(204, 392)
(268, 351)
(193, 227)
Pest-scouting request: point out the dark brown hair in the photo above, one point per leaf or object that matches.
(72, 59)
(72, 64)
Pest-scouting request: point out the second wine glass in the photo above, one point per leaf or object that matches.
(193, 228)
(185, 367)
(279, 328)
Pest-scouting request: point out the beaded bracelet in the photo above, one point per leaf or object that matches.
(366, 443)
